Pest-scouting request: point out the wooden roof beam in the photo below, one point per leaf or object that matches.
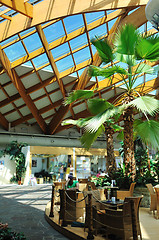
(20, 87)
(50, 57)
(3, 122)
(19, 6)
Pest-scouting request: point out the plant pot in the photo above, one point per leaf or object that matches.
(19, 182)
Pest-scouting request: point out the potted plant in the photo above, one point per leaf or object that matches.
(14, 149)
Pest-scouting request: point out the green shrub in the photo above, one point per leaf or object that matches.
(7, 233)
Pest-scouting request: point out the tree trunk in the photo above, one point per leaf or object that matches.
(129, 159)
(110, 163)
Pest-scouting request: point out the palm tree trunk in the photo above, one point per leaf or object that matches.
(110, 163)
(129, 159)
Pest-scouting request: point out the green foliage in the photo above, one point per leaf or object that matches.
(141, 157)
(156, 165)
(96, 106)
(145, 173)
(101, 181)
(147, 177)
(78, 95)
(123, 181)
(104, 49)
(14, 150)
(151, 135)
(8, 234)
(14, 179)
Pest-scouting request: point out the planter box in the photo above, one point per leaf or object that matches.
(146, 199)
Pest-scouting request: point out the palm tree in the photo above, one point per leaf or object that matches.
(95, 107)
(130, 48)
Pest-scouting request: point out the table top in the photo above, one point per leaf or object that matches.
(117, 202)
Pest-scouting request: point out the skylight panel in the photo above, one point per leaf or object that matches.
(81, 71)
(32, 42)
(78, 41)
(99, 31)
(142, 28)
(82, 55)
(61, 50)
(65, 63)
(149, 26)
(153, 93)
(140, 80)
(73, 22)
(90, 17)
(15, 51)
(27, 31)
(111, 23)
(40, 60)
(9, 40)
(54, 31)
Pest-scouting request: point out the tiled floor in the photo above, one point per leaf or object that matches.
(149, 225)
(22, 207)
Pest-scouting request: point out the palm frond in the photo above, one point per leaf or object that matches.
(149, 132)
(96, 106)
(130, 60)
(146, 104)
(145, 68)
(78, 95)
(88, 138)
(126, 39)
(104, 49)
(106, 72)
(81, 122)
(148, 49)
(95, 122)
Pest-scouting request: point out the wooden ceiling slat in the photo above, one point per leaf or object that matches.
(19, 6)
(20, 87)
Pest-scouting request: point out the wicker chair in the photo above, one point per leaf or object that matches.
(122, 194)
(137, 201)
(118, 224)
(153, 203)
(157, 205)
(91, 185)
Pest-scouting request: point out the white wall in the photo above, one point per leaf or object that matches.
(40, 165)
(7, 170)
(26, 151)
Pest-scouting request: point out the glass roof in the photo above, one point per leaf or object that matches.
(49, 60)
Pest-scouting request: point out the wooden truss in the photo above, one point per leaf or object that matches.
(21, 105)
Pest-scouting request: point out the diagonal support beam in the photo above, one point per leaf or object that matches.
(19, 6)
(3, 122)
(50, 57)
(21, 89)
